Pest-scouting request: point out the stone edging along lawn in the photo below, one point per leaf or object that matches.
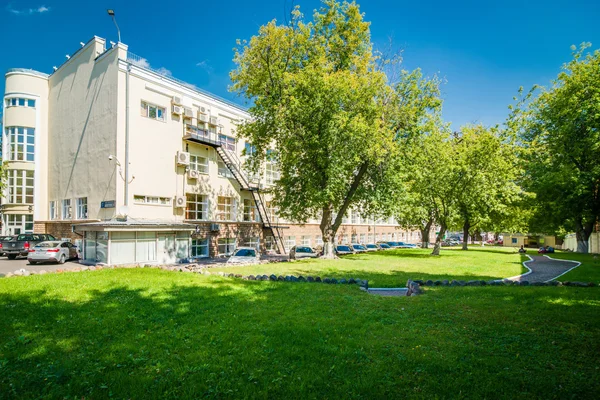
(415, 286)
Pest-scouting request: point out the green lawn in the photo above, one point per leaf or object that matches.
(148, 333)
(588, 271)
(392, 268)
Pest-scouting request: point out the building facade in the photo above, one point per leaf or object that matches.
(141, 167)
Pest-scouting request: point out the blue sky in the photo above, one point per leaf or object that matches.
(484, 50)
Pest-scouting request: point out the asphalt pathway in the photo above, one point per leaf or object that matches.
(544, 269)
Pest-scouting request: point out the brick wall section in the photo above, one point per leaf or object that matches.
(59, 229)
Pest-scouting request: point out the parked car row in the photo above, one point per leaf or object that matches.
(298, 252)
(37, 247)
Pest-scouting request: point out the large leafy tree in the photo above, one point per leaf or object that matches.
(559, 128)
(486, 174)
(321, 100)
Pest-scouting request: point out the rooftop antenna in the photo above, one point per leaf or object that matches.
(111, 12)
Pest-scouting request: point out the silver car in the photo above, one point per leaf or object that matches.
(56, 251)
(244, 255)
(298, 252)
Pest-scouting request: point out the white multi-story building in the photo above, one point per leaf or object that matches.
(138, 165)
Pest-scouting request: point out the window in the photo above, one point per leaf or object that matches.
(21, 143)
(145, 247)
(370, 238)
(20, 186)
(271, 168)
(152, 111)
(224, 208)
(353, 238)
(18, 223)
(66, 209)
(319, 240)
(196, 207)
(20, 102)
(199, 247)
(272, 212)
(199, 163)
(249, 150)
(290, 241)
(82, 211)
(250, 212)
(355, 217)
(252, 242)
(363, 238)
(227, 142)
(305, 241)
(122, 247)
(53, 214)
(159, 201)
(270, 243)
(226, 246)
(224, 171)
(514, 241)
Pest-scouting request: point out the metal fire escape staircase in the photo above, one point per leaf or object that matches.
(234, 164)
(231, 160)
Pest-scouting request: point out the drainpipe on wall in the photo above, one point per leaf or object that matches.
(126, 200)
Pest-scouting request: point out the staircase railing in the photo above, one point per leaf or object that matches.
(234, 164)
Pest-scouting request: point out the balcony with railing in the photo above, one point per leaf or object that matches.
(203, 136)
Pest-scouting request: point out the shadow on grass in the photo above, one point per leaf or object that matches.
(154, 334)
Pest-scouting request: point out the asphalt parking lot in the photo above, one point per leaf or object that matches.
(7, 265)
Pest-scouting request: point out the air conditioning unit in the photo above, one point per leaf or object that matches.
(188, 113)
(202, 117)
(214, 121)
(202, 109)
(177, 100)
(179, 201)
(177, 110)
(183, 158)
(214, 227)
(193, 174)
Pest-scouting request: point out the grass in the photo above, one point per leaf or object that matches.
(588, 271)
(392, 268)
(148, 333)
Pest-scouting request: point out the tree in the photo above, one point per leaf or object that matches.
(319, 98)
(487, 171)
(559, 129)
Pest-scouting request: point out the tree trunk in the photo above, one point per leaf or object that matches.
(438, 241)
(466, 227)
(583, 231)
(328, 233)
(425, 231)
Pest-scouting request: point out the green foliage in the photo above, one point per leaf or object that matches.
(320, 97)
(559, 129)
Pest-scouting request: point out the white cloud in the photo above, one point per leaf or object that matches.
(164, 71)
(144, 63)
(205, 66)
(27, 11)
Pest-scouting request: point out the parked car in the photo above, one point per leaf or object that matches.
(373, 247)
(3, 239)
(384, 246)
(359, 248)
(407, 245)
(55, 251)
(298, 252)
(341, 250)
(244, 255)
(19, 245)
(393, 244)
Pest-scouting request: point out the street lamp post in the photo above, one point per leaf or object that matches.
(111, 12)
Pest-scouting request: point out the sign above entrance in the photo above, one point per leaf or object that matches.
(107, 204)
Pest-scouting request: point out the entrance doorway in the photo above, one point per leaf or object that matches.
(167, 253)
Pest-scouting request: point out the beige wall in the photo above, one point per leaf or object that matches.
(82, 124)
